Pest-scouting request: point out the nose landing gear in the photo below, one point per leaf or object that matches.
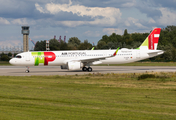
(27, 71)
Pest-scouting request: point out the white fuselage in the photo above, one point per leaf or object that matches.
(63, 57)
(74, 60)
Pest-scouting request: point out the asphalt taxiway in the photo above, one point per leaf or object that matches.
(56, 70)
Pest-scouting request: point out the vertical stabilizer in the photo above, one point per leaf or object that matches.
(151, 42)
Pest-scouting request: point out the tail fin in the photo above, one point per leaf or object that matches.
(151, 42)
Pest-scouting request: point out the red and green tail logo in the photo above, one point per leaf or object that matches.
(43, 57)
(151, 42)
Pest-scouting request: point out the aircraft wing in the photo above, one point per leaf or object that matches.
(89, 60)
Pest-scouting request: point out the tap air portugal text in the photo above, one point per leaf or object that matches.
(83, 59)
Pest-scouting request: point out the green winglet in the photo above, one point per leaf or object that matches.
(138, 48)
(92, 48)
(116, 51)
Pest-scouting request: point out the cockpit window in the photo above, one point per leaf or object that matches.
(18, 56)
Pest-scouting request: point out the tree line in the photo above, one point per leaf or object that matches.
(6, 57)
(73, 44)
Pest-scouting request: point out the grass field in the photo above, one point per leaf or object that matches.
(89, 97)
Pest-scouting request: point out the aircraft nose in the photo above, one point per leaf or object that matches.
(12, 61)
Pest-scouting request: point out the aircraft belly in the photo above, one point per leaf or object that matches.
(118, 60)
(27, 63)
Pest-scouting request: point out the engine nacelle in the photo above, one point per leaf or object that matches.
(74, 65)
(64, 67)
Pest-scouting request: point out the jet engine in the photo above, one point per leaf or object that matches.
(74, 65)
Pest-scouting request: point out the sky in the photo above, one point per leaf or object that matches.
(85, 19)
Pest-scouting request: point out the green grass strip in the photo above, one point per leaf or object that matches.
(89, 97)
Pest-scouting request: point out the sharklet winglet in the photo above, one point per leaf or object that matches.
(137, 48)
(92, 48)
(115, 53)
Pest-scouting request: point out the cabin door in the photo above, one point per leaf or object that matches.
(28, 56)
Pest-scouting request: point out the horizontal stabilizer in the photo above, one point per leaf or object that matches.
(158, 52)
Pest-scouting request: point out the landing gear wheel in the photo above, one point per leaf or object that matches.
(89, 69)
(27, 71)
(84, 69)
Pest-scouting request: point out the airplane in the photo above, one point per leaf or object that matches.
(77, 59)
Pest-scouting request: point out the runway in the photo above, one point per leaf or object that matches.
(56, 70)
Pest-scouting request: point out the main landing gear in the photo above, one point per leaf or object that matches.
(27, 71)
(89, 69)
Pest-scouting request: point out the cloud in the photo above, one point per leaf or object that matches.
(10, 43)
(22, 21)
(164, 3)
(133, 22)
(105, 3)
(92, 33)
(39, 8)
(152, 20)
(3, 21)
(112, 30)
(99, 16)
(15, 8)
(159, 13)
(149, 8)
(129, 4)
(42, 37)
(168, 17)
(71, 23)
(81, 10)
